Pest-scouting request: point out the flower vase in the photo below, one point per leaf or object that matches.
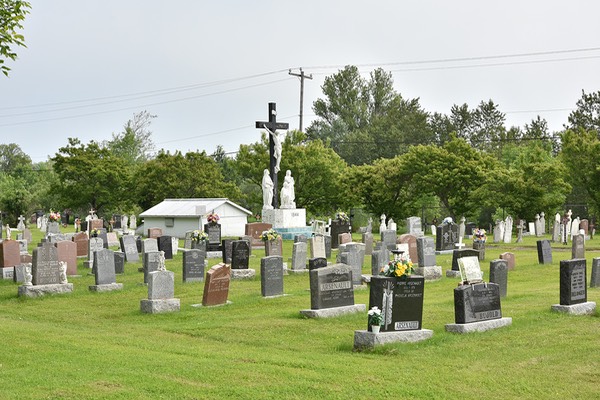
(375, 328)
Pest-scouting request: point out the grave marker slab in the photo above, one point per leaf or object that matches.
(499, 275)
(446, 236)
(578, 246)
(119, 262)
(154, 233)
(315, 263)
(573, 288)
(401, 302)
(478, 302)
(214, 236)
(67, 252)
(149, 245)
(161, 292)
(104, 267)
(510, 260)
(129, 248)
(544, 250)
(411, 241)
(45, 268)
(317, 246)
(216, 286)
(165, 243)
(274, 247)
(240, 254)
(193, 265)
(10, 253)
(151, 262)
(271, 275)
(331, 287)
(299, 255)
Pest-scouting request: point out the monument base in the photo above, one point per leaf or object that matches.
(298, 271)
(288, 222)
(576, 309)
(450, 273)
(8, 273)
(214, 305)
(369, 340)
(159, 306)
(108, 287)
(480, 326)
(433, 273)
(439, 252)
(42, 290)
(214, 254)
(334, 311)
(243, 273)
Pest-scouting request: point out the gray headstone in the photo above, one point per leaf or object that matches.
(499, 275)
(271, 275)
(151, 263)
(20, 272)
(426, 250)
(379, 258)
(578, 246)
(478, 302)
(161, 285)
(104, 267)
(193, 265)
(149, 245)
(353, 254)
(459, 253)
(300, 238)
(94, 244)
(327, 246)
(226, 245)
(446, 236)
(45, 267)
(129, 247)
(544, 252)
(299, 255)
(388, 237)
(595, 279)
(367, 239)
(317, 247)
(331, 287)
(119, 262)
(187, 242)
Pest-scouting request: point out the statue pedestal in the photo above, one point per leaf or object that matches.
(288, 222)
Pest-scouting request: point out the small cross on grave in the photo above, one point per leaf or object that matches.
(460, 243)
(275, 145)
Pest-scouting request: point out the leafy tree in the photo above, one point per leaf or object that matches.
(587, 114)
(193, 175)
(482, 127)
(12, 15)
(91, 176)
(134, 144)
(581, 156)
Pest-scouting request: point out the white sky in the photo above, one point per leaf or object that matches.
(105, 49)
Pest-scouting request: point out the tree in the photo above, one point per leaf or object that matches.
(134, 144)
(12, 15)
(587, 114)
(193, 175)
(91, 176)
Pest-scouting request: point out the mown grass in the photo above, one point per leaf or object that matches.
(90, 345)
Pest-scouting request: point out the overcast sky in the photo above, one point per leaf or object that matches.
(208, 69)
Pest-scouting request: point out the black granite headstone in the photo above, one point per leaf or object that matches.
(573, 287)
(499, 275)
(400, 302)
(460, 253)
(240, 254)
(165, 243)
(150, 263)
(595, 279)
(478, 302)
(315, 263)
(544, 251)
(138, 243)
(226, 247)
(327, 239)
(271, 276)
(214, 236)
(119, 262)
(338, 227)
(446, 236)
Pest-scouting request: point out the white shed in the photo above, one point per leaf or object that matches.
(176, 216)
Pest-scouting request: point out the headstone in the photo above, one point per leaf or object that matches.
(193, 265)
(574, 227)
(469, 228)
(161, 293)
(379, 258)
(585, 225)
(138, 244)
(274, 247)
(331, 287)
(446, 237)
(67, 252)
(400, 302)
(240, 254)
(104, 236)
(510, 260)
(216, 286)
(414, 227)
(315, 263)
(165, 243)
(573, 288)
(460, 253)
(112, 239)
(556, 231)
(174, 245)
(20, 272)
(254, 230)
(344, 238)
(499, 275)
(10, 253)
(299, 255)
(119, 262)
(226, 245)
(388, 237)
(578, 247)
(499, 231)
(462, 229)
(104, 267)
(411, 240)
(129, 248)
(154, 233)
(477, 302)
(327, 245)
(470, 271)
(81, 241)
(151, 262)
(187, 241)
(595, 279)
(149, 245)
(214, 236)
(508, 226)
(27, 235)
(271, 275)
(367, 239)
(544, 252)
(45, 267)
(94, 244)
(539, 230)
(543, 223)
(531, 228)
(53, 227)
(300, 238)
(353, 255)
(317, 246)
(338, 227)
(426, 252)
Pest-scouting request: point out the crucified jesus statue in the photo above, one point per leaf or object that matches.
(277, 142)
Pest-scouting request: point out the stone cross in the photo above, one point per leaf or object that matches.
(521, 227)
(271, 126)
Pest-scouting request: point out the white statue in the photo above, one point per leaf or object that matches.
(7, 228)
(161, 262)
(28, 276)
(277, 142)
(267, 188)
(63, 272)
(132, 222)
(382, 225)
(288, 195)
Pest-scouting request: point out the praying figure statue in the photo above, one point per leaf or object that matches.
(288, 195)
(277, 142)
(267, 188)
(63, 272)
(161, 262)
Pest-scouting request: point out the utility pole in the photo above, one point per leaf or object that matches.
(302, 76)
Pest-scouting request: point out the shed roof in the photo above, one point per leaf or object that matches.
(189, 207)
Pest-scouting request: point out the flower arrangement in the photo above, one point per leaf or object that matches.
(269, 235)
(479, 235)
(401, 267)
(95, 232)
(342, 216)
(375, 317)
(199, 236)
(54, 216)
(213, 218)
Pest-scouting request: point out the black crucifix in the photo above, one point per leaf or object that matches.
(275, 145)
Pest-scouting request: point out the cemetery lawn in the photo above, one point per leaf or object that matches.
(88, 345)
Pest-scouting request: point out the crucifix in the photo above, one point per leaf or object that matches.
(275, 145)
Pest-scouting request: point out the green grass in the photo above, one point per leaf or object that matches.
(99, 345)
